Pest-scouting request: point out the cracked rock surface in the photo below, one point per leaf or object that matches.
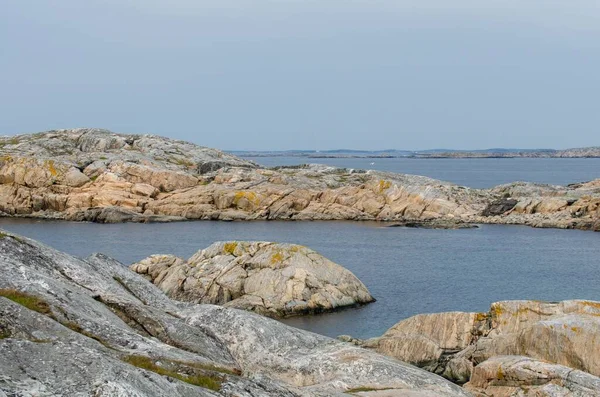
(268, 278)
(509, 351)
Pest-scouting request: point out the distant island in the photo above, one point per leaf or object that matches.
(585, 152)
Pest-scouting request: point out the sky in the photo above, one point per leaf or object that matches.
(307, 74)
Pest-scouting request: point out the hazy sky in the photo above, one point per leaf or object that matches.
(310, 74)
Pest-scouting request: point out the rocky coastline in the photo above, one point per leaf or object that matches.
(518, 348)
(71, 326)
(99, 176)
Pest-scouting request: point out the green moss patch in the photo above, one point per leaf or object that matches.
(29, 301)
(365, 389)
(205, 380)
(5, 235)
(73, 326)
(4, 333)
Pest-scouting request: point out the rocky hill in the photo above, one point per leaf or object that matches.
(95, 175)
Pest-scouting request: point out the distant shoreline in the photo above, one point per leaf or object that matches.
(569, 153)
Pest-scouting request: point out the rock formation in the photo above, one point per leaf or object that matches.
(567, 207)
(506, 376)
(268, 278)
(99, 176)
(518, 347)
(72, 326)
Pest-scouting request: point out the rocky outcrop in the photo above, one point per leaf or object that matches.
(568, 207)
(430, 341)
(506, 376)
(499, 207)
(268, 278)
(77, 174)
(566, 333)
(459, 346)
(72, 326)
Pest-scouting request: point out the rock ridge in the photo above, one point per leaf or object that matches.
(99, 176)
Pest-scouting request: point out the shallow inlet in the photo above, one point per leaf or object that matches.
(408, 271)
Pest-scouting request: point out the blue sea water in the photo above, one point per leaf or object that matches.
(408, 271)
(477, 173)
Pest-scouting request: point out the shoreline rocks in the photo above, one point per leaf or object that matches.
(99, 176)
(276, 280)
(90, 326)
(517, 347)
(522, 376)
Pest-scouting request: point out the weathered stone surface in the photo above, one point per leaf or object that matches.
(429, 341)
(566, 333)
(537, 205)
(75, 178)
(268, 278)
(83, 320)
(162, 178)
(506, 376)
(499, 207)
(454, 344)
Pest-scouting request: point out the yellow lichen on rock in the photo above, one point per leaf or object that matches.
(229, 248)
(51, 167)
(384, 185)
(244, 199)
(276, 258)
(481, 316)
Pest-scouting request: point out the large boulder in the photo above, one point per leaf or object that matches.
(71, 326)
(268, 278)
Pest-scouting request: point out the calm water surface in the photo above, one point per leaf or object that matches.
(477, 173)
(409, 271)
